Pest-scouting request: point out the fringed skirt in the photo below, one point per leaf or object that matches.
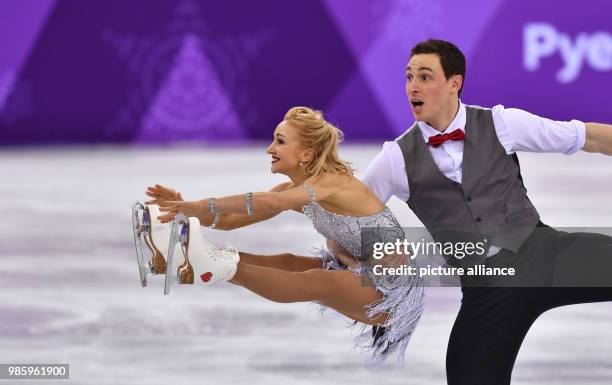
(403, 301)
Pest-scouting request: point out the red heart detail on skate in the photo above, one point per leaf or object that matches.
(206, 276)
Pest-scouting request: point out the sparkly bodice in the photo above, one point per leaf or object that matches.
(346, 230)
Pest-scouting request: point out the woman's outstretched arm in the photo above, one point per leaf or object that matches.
(266, 203)
(261, 202)
(227, 221)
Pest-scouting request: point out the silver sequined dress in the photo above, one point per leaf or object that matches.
(403, 296)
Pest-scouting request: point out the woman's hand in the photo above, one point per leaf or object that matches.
(189, 208)
(166, 198)
(162, 193)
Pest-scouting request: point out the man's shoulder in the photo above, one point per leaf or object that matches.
(477, 107)
(498, 109)
(500, 113)
(390, 145)
(389, 152)
(495, 109)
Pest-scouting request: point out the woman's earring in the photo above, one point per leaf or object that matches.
(301, 164)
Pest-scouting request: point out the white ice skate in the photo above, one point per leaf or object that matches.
(156, 236)
(198, 260)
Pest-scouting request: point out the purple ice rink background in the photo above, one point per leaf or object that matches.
(99, 99)
(162, 71)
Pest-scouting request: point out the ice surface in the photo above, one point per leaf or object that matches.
(70, 291)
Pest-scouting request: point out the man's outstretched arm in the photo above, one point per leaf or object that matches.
(598, 138)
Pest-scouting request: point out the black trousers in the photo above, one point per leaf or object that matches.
(493, 321)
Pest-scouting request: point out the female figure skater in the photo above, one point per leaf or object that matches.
(323, 187)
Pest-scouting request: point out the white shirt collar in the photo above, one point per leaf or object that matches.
(457, 123)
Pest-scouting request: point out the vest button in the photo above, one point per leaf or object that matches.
(469, 199)
(479, 219)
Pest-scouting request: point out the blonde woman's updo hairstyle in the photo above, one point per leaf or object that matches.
(317, 133)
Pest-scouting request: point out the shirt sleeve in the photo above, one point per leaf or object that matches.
(520, 130)
(386, 175)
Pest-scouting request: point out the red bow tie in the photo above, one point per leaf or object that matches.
(437, 140)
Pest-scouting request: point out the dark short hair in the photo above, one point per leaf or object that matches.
(451, 57)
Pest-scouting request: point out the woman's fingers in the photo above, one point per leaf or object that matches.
(167, 217)
(153, 194)
(162, 192)
(164, 189)
(159, 202)
(170, 208)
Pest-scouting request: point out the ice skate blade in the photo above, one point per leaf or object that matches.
(141, 225)
(155, 235)
(177, 234)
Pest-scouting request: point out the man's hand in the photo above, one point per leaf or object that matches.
(598, 138)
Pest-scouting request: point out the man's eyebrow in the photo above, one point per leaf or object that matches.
(279, 134)
(420, 69)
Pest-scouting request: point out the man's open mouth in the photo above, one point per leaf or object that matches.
(416, 103)
(275, 159)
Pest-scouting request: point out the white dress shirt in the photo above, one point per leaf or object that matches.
(517, 130)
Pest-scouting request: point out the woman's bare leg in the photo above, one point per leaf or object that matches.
(339, 289)
(285, 261)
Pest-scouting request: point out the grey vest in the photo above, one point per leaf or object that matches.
(491, 201)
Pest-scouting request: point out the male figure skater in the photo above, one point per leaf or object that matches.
(456, 167)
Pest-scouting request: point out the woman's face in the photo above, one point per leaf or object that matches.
(285, 149)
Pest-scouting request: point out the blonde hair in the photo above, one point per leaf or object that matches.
(317, 133)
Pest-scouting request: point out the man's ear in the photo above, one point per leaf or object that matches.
(456, 82)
